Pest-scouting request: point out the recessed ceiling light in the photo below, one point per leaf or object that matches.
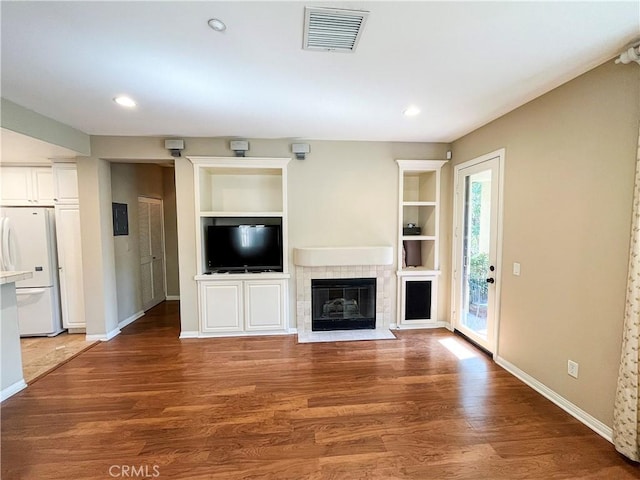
(411, 111)
(124, 101)
(217, 24)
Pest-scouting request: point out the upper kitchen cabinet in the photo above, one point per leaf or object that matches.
(65, 183)
(27, 186)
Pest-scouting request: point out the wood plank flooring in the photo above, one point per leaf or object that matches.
(149, 405)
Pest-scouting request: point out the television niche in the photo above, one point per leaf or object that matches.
(243, 248)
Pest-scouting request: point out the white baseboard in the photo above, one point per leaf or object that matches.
(12, 389)
(257, 333)
(189, 334)
(131, 319)
(172, 297)
(292, 331)
(103, 337)
(573, 410)
(419, 326)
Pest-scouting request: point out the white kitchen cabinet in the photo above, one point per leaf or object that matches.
(65, 183)
(70, 266)
(27, 186)
(242, 306)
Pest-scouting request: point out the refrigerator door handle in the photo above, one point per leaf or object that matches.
(5, 257)
(30, 291)
(2, 253)
(8, 257)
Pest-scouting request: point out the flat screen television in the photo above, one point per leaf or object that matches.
(244, 248)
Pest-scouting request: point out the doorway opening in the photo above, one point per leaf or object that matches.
(146, 261)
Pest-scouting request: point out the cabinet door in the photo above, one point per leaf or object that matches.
(65, 183)
(221, 306)
(418, 299)
(70, 265)
(42, 181)
(264, 304)
(16, 186)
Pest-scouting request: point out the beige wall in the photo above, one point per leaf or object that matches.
(170, 232)
(570, 158)
(364, 174)
(98, 261)
(124, 189)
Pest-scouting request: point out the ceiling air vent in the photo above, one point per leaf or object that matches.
(333, 29)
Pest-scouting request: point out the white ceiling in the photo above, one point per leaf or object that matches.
(462, 63)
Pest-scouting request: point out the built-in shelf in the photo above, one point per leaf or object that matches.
(417, 272)
(240, 186)
(244, 276)
(418, 259)
(418, 237)
(232, 191)
(419, 204)
(240, 214)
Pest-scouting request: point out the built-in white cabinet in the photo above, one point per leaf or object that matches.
(264, 304)
(238, 306)
(418, 242)
(27, 186)
(70, 266)
(65, 183)
(230, 192)
(221, 307)
(67, 208)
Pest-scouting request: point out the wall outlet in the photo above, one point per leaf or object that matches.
(572, 368)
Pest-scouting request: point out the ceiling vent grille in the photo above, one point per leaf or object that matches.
(332, 29)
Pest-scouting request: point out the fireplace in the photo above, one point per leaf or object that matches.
(343, 304)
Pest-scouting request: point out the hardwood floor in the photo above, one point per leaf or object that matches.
(149, 405)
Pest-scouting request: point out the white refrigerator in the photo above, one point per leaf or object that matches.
(28, 242)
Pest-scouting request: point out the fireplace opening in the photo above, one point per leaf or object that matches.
(343, 304)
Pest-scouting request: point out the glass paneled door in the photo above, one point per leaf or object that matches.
(476, 263)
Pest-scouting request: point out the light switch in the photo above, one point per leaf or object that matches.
(516, 269)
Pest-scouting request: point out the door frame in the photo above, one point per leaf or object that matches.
(147, 199)
(455, 268)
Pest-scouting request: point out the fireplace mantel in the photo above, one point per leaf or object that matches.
(342, 256)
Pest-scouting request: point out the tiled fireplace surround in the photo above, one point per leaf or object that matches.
(353, 262)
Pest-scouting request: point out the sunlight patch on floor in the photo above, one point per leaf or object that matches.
(458, 348)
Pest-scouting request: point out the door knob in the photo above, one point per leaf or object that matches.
(490, 280)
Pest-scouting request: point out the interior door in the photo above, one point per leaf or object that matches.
(151, 236)
(477, 259)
